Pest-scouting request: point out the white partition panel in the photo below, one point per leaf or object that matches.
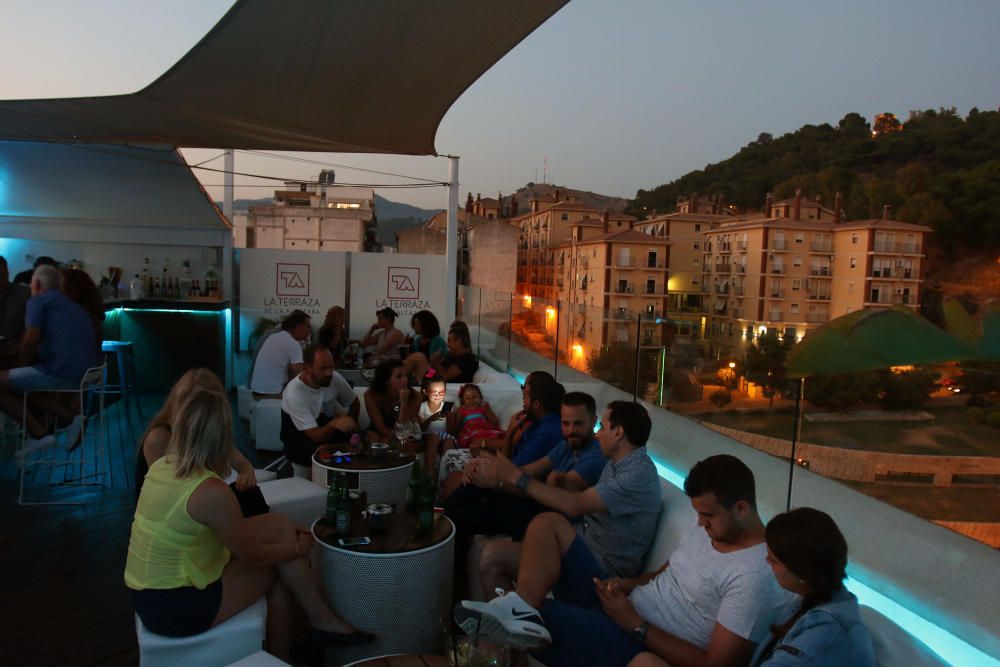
(275, 282)
(405, 283)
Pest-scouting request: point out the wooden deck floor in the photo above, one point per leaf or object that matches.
(64, 600)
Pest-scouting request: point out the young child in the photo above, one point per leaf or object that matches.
(433, 419)
(474, 419)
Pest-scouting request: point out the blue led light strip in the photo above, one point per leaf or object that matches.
(949, 647)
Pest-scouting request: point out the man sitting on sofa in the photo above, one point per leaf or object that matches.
(710, 603)
(574, 464)
(619, 521)
(308, 407)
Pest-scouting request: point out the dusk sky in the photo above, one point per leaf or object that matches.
(615, 95)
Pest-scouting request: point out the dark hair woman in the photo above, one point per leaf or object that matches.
(333, 334)
(389, 399)
(808, 555)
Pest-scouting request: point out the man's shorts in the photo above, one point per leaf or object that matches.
(29, 378)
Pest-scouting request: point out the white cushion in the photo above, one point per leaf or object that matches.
(676, 515)
(265, 425)
(299, 499)
(244, 402)
(235, 638)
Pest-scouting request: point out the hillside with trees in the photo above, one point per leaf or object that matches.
(939, 170)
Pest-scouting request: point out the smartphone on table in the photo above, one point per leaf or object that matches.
(354, 541)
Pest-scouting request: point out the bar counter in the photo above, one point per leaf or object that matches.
(171, 336)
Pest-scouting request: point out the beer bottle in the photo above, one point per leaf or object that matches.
(413, 486)
(331, 501)
(342, 517)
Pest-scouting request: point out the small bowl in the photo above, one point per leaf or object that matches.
(379, 451)
(378, 517)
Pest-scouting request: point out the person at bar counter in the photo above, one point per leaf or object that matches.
(57, 349)
(383, 339)
(309, 407)
(13, 301)
(194, 561)
(459, 365)
(280, 356)
(24, 277)
(81, 290)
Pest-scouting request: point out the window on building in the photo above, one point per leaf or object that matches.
(697, 227)
(796, 261)
(795, 308)
(854, 262)
(854, 238)
(796, 285)
(696, 261)
(799, 237)
(564, 216)
(593, 252)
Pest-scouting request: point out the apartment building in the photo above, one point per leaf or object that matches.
(685, 229)
(550, 222)
(320, 216)
(798, 265)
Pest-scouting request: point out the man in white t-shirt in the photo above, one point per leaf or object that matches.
(309, 407)
(280, 356)
(711, 603)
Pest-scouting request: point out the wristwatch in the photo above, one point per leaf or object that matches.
(638, 634)
(522, 481)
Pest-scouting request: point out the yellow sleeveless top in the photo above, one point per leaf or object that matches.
(169, 549)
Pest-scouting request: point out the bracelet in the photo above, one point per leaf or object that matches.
(499, 484)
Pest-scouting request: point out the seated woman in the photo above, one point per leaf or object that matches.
(383, 339)
(427, 344)
(153, 443)
(333, 335)
(808, 555)
(194, 561)
(459, 365)
(389, 399)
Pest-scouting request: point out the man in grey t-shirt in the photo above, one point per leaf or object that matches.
(711, 603)
(620, 514)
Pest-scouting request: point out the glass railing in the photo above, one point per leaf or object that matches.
(896, 456)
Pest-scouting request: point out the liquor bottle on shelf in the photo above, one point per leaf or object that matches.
(136, 288)
(185, 280)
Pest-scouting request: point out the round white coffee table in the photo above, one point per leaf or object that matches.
(385, 481)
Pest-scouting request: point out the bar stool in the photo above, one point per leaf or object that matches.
(125, 362)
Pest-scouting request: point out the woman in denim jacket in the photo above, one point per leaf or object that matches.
(808, 555)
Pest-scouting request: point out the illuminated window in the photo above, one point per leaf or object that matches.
(341, 204)
(854, 262)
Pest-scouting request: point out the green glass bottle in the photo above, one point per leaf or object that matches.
(331, 501)
(342, 512)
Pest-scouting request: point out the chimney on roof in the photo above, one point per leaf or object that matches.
(607, 221)
(768, 204)
(557, 194)
(836, 208)
(468, 203)
(513, 206)
(886, 211)
(798, 204)
(499, 204)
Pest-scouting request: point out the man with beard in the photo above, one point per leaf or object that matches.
(479, 508)
(309, 404)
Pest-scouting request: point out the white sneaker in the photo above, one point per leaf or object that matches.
(505, 620)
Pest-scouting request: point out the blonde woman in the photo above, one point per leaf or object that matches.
(153, 443)
(195, 561)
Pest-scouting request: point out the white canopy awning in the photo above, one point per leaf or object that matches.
(312, 75)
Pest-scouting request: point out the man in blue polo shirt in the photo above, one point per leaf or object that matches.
(536, 429)
(479, 508)
(57, 348)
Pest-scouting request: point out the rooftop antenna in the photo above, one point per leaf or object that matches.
(545, 170)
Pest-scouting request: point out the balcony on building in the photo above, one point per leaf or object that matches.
(821, 271)
(625, 261)
(779, 245)
(775, 316)
(778, 269)
(777, 294)
(723, 268)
